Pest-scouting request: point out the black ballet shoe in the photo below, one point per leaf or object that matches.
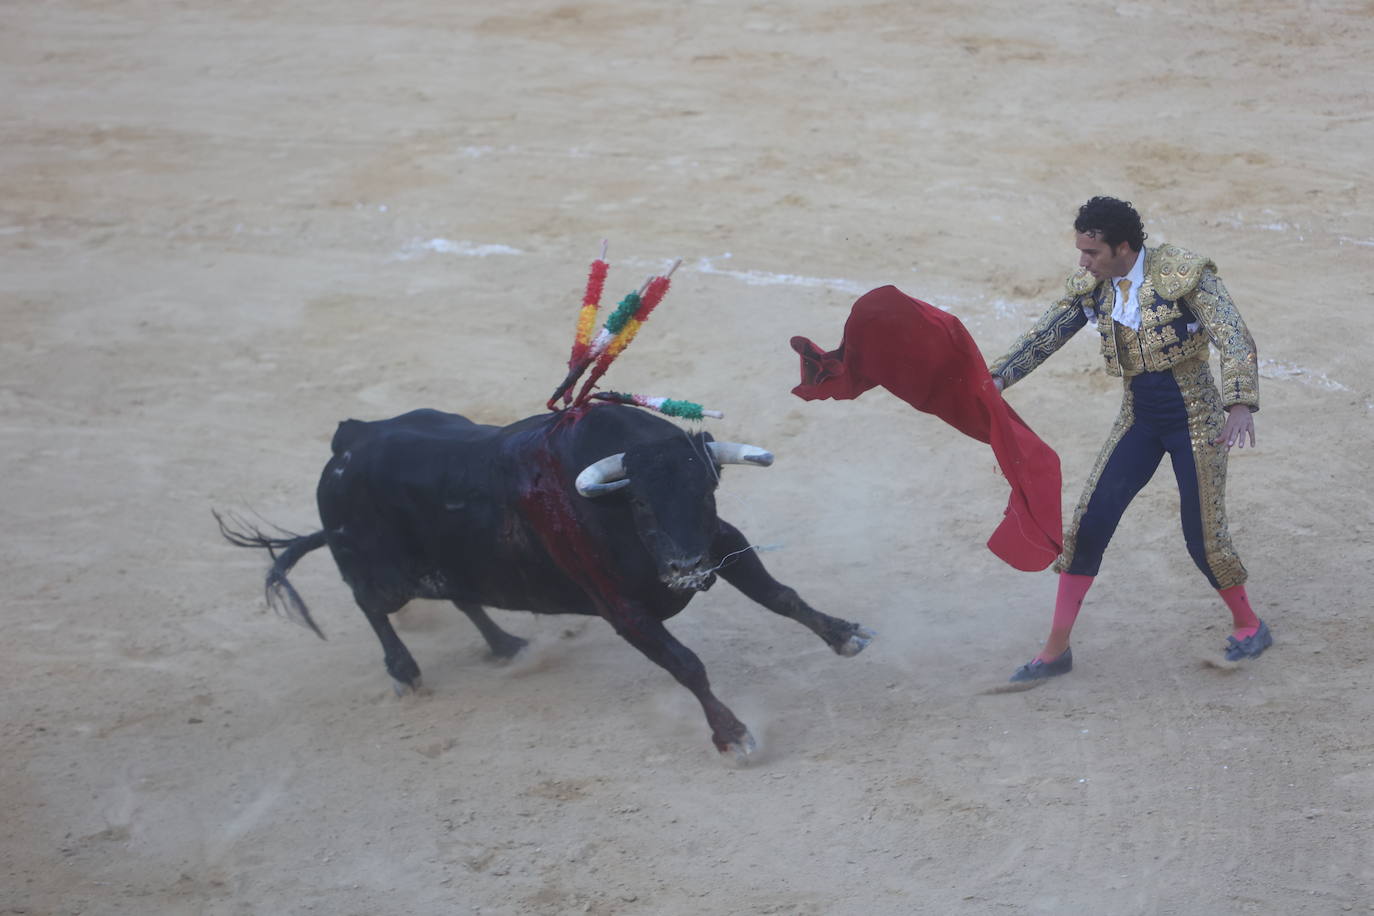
(1035, 669)
(1251, 646)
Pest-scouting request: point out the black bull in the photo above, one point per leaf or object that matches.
(603, 510)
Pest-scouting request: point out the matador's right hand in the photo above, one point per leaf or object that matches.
(1239, 425)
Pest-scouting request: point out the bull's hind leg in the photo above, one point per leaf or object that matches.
(400, 664)
(503, 644)
(648, 634)
(742, 568)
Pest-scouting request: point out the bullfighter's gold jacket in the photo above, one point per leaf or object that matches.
(1183, 307)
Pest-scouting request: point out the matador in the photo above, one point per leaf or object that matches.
(1156, 309)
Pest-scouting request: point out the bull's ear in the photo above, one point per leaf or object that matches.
(702, 442)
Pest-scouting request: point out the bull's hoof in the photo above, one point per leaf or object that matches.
(739, 751)
(857, 641)
(508, 648)
(402, 688)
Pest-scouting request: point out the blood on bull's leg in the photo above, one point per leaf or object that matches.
(648, 634)
(503, 644)
(742, 568)
(400, 664)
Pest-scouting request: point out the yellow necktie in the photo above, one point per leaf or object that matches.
(1125, 287)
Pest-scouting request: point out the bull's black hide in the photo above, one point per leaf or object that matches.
(432, 505)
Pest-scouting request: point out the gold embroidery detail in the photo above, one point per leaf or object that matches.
(1159, 312)
(1080, 283)
(1062, 321)
(1206, 418)
(1212, 305)
(1175, 271)
(1156, 339)
(1146, 295)
(1128, 353)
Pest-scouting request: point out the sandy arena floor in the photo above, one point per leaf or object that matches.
(227, 226)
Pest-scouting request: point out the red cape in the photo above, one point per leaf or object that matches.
(927, 358)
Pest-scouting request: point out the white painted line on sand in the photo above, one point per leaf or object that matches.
(418, 247)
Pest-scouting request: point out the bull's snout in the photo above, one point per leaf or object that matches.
(688, 574)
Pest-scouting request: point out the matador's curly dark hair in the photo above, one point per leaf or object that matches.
(1113, 221)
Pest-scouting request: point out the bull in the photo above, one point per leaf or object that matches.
(600, 509)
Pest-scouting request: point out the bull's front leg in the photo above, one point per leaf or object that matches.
(648, 634)
(742, 568)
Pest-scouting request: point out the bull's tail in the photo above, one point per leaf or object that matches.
(282, 596)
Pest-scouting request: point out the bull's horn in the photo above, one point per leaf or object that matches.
(602, 477)
(736, 453)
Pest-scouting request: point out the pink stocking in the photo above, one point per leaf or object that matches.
(1246, 622)
(1072, 589)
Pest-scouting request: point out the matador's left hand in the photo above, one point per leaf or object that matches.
(1239, 425)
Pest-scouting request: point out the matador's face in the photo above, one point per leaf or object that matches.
(1101, 260)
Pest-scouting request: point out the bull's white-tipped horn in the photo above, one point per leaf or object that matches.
(602, 477)
(737, 453)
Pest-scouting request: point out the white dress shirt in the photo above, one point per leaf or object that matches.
(1127, 311)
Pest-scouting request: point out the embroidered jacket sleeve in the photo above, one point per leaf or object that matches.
(1212, 305)
(1064, 319)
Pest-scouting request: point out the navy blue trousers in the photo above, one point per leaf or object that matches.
(1176, 412)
